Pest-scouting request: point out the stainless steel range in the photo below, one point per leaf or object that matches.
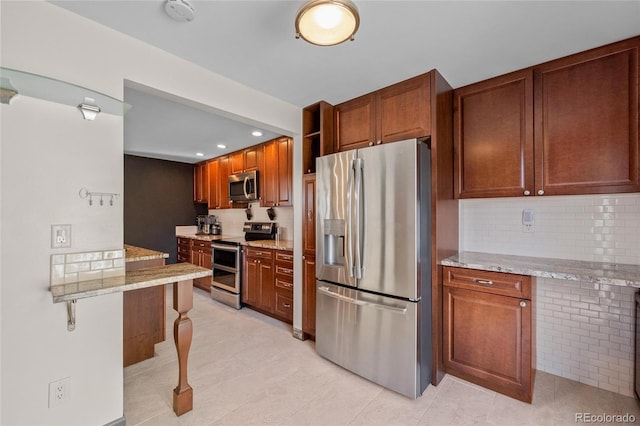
(227, 261)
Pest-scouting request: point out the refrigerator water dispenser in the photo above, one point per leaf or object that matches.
(334, 242)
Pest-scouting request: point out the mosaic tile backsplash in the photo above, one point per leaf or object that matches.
(584, 331)
(91, 265)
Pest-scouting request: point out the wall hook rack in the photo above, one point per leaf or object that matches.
(102, 196)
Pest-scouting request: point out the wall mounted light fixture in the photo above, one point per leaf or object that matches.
(89, 109)
(327, 22)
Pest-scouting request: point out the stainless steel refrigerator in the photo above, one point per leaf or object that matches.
(373, 263)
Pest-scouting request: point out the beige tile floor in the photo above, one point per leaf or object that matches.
(246, 368)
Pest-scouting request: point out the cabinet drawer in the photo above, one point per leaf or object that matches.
(284, 306)
(286, 271)
(182, 249)
(258, 253)
(183, 258)
(184, 241)
(284, 284)
(284, 257)
(488, 282)
(202, 244)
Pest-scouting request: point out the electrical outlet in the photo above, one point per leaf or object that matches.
(59, 392)
(60, 236)
(527, 220)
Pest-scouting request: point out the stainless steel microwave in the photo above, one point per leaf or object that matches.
(243, 187)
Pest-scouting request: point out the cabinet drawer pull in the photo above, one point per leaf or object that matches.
(523, 304)
(286, 270)
(286, 305)
(483, 282)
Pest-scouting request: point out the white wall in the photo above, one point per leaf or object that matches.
(584, 331)
(47, 154)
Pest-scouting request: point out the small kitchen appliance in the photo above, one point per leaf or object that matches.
(227, 261)
(208, 225)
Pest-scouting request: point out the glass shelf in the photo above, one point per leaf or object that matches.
(49, 89)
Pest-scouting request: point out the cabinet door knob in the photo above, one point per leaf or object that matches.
(540, 192)
(527, 192)
(378, 142)
(523, 304)
(370, 143)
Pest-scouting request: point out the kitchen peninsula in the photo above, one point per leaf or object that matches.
(117, 280)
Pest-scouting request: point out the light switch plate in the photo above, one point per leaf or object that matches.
(60, 236)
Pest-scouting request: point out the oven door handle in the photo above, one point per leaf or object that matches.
(225, 248)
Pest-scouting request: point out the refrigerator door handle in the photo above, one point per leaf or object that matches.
(358, 204)
(349, 236)
(397, 309)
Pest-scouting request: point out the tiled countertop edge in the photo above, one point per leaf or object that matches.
(576, 270)
(133, 280)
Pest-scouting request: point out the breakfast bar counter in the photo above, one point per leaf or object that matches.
(181, 275)
(132, 280)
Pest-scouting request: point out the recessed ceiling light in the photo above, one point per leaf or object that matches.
(256, 133)
(199, 154)
(221, 146)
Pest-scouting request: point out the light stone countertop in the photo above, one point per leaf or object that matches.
(270, 244)
(132, 280)
(576, 270)
(134, 254)
(286, 245)
(202, 237)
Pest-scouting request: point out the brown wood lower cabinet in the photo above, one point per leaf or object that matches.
(487, 330)
(309, 294)
(201, 256)
(267, 284)
(143, 317)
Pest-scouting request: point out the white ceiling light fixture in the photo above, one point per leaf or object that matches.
(221, 146)
(199, 154)
(327, 22)
(256, 133)
(180, 10)
(89, 109)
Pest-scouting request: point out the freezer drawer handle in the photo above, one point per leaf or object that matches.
(396, 309)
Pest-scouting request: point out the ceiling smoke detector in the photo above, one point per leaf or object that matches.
(180, 10)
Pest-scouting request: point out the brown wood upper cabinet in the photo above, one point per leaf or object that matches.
(201, 182)
(276, 179)
(578, 114)
(586, 122)
(219, 183)
(245, 160)
(493, 133)
(397, 112)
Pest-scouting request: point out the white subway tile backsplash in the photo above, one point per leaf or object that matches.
(86, 266)
(569, 227)
(598, 340)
